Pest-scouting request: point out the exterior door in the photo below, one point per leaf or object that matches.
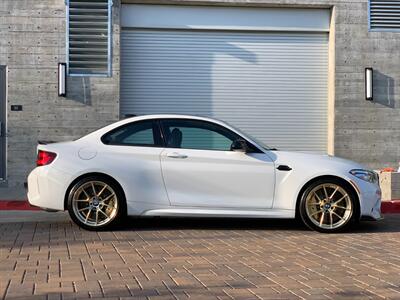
(200, 170)
(3, 87)
(272, 85)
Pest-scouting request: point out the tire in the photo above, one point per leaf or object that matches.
(328, 206)
(96, 203)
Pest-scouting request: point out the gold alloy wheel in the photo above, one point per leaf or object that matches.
(95, 203)
(329, 206)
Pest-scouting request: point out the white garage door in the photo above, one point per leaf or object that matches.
(271, 84)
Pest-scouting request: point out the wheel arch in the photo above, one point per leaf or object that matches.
(71, 185)
(327, 177)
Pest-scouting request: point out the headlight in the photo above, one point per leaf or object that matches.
(366, 175)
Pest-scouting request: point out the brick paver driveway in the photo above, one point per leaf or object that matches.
(198, 258)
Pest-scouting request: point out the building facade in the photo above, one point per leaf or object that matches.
(290, 72)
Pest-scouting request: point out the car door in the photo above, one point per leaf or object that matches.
(200, 170)
(132, 152)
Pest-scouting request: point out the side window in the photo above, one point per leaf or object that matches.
(133, 134)
(194, 134)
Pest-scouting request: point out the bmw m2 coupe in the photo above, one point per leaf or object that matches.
(175, 165)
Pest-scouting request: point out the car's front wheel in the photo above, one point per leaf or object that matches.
(328, 206)
(96, 203)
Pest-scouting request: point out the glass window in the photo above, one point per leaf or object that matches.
(195, 134)
(133, 134)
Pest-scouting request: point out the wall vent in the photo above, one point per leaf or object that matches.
(88, 41)
(384, 15)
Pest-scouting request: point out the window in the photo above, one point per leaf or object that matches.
(194, 134)
(89, 37)
(133, 134)
(384, 15)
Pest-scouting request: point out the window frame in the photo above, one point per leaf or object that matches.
(109, 44)
(158, 141)
(251, 146)
(369, 16)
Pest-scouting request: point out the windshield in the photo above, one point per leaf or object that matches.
(257, 141)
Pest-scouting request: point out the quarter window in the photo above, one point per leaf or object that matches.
(194, 134)
(133, 134)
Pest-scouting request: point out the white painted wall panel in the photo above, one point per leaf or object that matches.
(224, 18)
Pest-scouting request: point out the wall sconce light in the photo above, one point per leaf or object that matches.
(369, 84)
(62, 79)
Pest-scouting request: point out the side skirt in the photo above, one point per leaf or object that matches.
(201, 212)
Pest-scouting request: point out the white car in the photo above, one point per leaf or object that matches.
(175, 165)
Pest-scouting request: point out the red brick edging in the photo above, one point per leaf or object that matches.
(388, 207)
(16, 205)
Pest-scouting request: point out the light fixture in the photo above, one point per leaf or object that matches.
(369, 84)
(62, 79)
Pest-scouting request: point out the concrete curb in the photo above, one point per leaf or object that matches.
(388, 207)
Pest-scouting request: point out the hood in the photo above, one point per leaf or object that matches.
(326, 162)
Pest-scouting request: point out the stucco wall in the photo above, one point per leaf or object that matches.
(368, 132)
(31, 45)
(33, 42)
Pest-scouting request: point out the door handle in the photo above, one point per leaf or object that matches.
(176, 155)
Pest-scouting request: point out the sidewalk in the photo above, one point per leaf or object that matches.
(45, 256)
(13, 193)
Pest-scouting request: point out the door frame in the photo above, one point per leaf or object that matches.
(3, 119)
(255, 154)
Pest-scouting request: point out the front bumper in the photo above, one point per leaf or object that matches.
(370, 199)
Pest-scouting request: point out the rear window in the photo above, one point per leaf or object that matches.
(140, 133)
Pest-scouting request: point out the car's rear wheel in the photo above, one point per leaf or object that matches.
(96, 203)
(328, 206)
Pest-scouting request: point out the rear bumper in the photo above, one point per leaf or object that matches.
(45, 188)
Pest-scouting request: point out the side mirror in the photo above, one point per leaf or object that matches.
(239, 145)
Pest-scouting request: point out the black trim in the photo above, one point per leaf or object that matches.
(284, 168)
(161, 132)
(157, 135)
(41, 142)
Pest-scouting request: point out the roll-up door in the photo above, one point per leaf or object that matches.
(271, 84)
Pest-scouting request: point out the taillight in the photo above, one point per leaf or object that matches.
(45, 158)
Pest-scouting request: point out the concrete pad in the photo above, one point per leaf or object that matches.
(12, 216)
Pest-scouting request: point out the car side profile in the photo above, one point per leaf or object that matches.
(179, 165)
